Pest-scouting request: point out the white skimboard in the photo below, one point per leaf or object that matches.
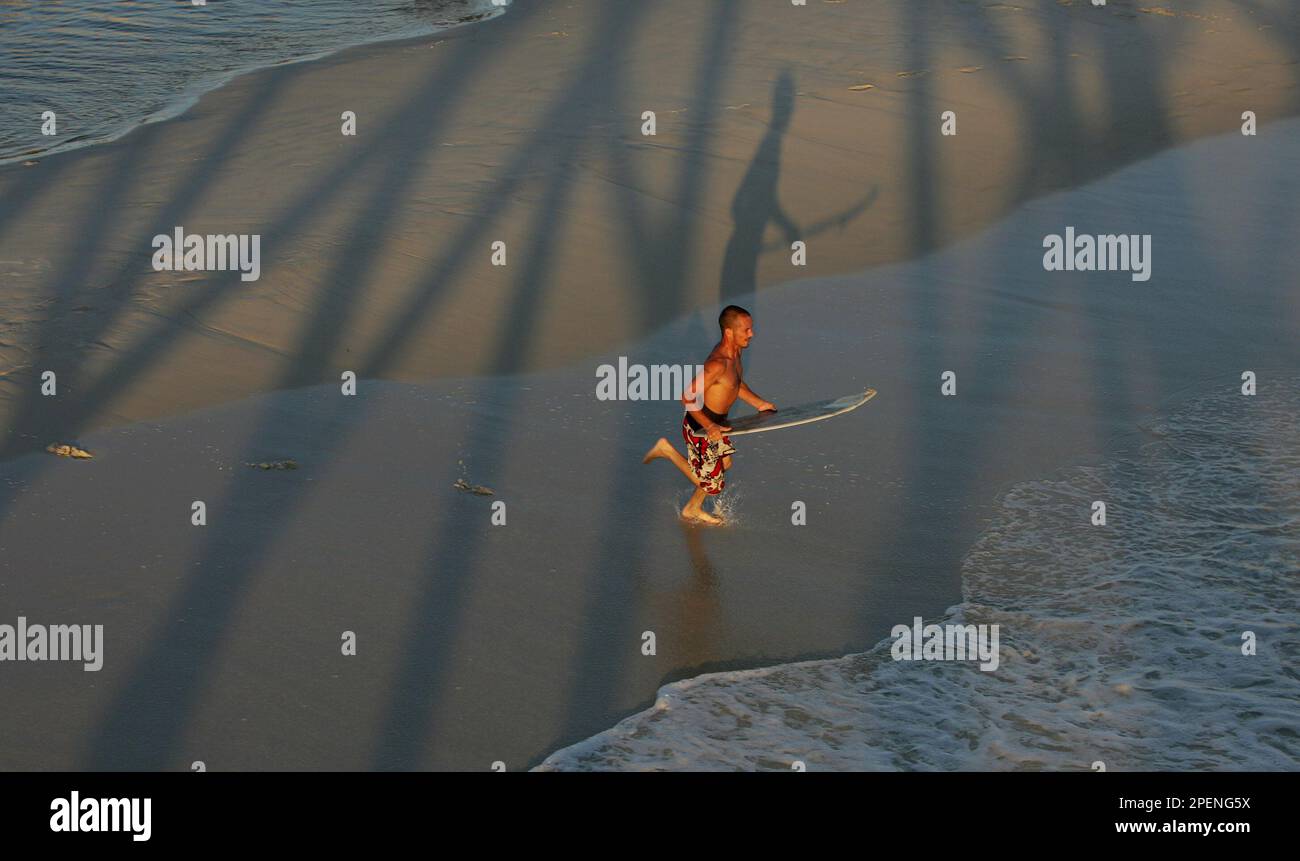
(800, 415)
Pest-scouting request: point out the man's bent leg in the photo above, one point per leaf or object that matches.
(665, 450)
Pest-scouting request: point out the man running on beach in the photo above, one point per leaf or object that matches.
(708, 451)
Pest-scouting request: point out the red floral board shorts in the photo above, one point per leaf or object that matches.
(705, 457)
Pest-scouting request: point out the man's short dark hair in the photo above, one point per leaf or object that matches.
(729, 315)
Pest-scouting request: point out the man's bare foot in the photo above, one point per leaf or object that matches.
(699, 515)
(659, 449)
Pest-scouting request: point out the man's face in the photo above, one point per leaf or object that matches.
(743, 331)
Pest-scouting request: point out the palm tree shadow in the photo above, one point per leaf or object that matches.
(1007, 345)
(417, 693)
(33, 418)
(180, 657)
(418, 690)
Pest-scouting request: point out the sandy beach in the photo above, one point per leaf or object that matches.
(480, 643)
(527, 129)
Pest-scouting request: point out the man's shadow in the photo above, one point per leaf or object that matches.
(756, 203)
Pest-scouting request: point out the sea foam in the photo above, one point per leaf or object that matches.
(1121, 644)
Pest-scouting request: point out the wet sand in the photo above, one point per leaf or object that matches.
(527, 130)
(480, 643)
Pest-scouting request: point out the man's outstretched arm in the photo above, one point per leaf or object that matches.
(747, 395)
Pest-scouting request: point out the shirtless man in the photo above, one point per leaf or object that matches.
(708, 451)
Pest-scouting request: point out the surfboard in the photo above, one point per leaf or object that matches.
(800, 415)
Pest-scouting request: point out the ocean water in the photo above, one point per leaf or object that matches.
(105, 67)
(1120, 644)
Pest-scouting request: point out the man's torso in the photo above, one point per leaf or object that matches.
(724, 390)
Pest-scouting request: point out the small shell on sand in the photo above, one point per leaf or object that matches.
(274, 464)
(462, 484)
(65, 450)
